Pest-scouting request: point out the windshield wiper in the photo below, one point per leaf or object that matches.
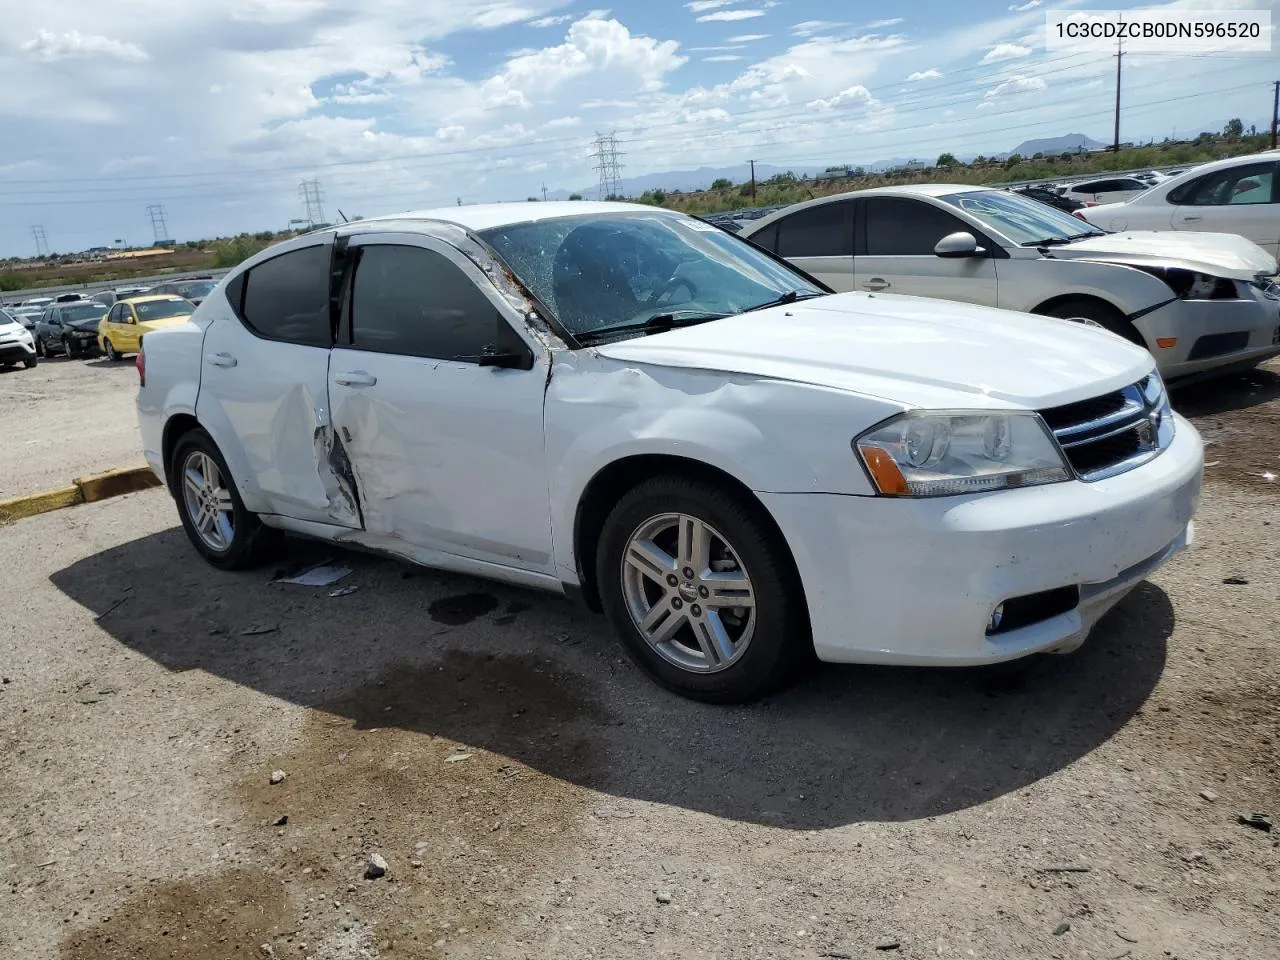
(1061, 241)
(791, 296)
(658, 323)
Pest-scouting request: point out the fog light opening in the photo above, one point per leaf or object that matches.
(997, 615)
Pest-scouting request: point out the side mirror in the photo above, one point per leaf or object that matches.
(959, 244)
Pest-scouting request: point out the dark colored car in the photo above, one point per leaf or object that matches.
(194, 289)
(69, 328)
(1045, 195)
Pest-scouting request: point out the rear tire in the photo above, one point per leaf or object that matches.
(217, 523)
(734, 630)
(111, 351)
(1095, 311)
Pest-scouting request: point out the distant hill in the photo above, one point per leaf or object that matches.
(1071, 143)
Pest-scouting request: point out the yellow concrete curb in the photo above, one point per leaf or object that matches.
(100, 486)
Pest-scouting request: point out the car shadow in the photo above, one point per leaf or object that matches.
(1230, 392)
(532, 678)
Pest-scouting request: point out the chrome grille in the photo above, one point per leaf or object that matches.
(1110, 434)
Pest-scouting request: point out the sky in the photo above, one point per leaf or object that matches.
(217, 109)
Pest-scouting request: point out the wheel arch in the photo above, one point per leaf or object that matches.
(175, 428)
(1062, 298)
(613, 480)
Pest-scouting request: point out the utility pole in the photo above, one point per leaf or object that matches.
(753, 178)
(313, 199)
(544, 192)
(1115, 143)
(1275, 115)
(608, 166)
(158, 227)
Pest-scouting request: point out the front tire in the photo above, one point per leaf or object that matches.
(67, 349)
(217, 523)
(41, 353)
(702, 590)
(111, 351)
(1095, 311)
(30, 362)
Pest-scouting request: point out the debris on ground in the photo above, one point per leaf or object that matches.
(1061, 928)
(318, 576)
(1064, 868)
(344, 591)
(1127, 938)
(281, 820)
(662, 895)
(277, 777)
(888, 944)
(1234, 581)
(375, 867)
(1259, 821)
(457, 758)
(1208, 796)
(258, 629)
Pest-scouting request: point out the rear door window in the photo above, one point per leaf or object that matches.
(825, 230)
(287, 297)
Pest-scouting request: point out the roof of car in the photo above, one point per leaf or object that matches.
(904, 190)
(149, 297)
(483, 216)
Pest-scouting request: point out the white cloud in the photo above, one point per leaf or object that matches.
(851, 96)
(561, 122)
(1015, 85)
(808, 28)
(697, 6)
(880, 24)
(450, 133)
(1029, 5)
(730, 16)
(727, 46)
(931, 74)
(748, 38)
(722, 58)
(51, 47)
(1005, 51)
(551, 21)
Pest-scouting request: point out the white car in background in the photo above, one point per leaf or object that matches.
(1103, 189)
(1198, 302)
(1240, 195)
(637, 408)
(16, 343)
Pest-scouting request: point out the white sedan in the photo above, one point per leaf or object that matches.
(635, 408)
(1240, 195)
(1104, 189)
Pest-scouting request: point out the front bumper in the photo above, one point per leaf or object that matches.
(13, 350)
(81, 339)
(915, 581)
(1213, 333)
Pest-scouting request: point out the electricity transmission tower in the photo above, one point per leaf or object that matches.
(42, 242)
(608, 165)
(313, 198)
(161, 230)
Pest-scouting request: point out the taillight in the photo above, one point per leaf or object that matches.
(1075, 213)
(140, 361)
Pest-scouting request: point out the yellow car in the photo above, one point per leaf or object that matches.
(121, 330)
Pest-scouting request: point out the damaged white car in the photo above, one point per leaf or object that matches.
(1197, 301)
(634, 408)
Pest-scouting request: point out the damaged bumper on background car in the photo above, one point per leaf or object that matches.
(1190, 336)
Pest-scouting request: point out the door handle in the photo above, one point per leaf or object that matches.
(221, 359)
(355, 378)
(877, 283)
(1188, 218)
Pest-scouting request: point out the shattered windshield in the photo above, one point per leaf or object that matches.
(600, 271)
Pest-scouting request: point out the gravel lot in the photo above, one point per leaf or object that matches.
(535, 797)
(66, 419)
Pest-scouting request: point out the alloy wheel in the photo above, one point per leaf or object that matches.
(111, 351)
(688, 593)
(207, 500)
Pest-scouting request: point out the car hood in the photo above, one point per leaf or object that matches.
(88, 325)
(913, 351)
(1219, 254)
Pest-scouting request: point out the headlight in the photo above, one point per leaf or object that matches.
(1189, 285)
(923, 454)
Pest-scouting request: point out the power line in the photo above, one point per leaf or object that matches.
(608, 166)
(42, 242)
(161, 230)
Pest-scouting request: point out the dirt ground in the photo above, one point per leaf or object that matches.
(535, 797)
(65, 419)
